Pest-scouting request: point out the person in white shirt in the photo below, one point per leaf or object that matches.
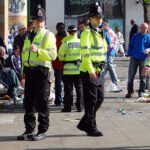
(120, 47)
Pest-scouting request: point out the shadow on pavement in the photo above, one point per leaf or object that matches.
(113, 148)
(8, 138)
(66, 135)
(20, 109)
(14, 138)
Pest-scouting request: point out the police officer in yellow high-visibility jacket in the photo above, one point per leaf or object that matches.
(70, 54)
(93, 50)
(38, 52)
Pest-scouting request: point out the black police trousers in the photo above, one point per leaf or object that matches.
(69, 82)
(93, 95)
(37, 91)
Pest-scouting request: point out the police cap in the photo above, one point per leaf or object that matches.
(72, 28)
(39, 14)
(96, 10)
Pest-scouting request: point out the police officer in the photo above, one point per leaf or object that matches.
(38, 52)
(93, 51)
(70, 54)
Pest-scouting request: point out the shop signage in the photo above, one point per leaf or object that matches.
(89, 2)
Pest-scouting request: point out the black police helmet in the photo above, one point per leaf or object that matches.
(96, 10)
(39, 14)
(72, 28)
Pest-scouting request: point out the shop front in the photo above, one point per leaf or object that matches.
(76, 10)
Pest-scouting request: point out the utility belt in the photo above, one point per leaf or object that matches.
(38, 68)
(100, 65)
(147, 65)
(76, 62)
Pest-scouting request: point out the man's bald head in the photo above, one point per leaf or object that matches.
(144, 28)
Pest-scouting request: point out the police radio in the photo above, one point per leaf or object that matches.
(100, 31)
(31, 35)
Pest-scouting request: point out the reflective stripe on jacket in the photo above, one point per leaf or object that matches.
(93, 49)
(70, 51)
(46, 44)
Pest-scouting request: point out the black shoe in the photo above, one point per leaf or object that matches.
(25, 136)
(95, 133)
(66, 110)
(80, 127)
(57, 103)
(128, 95)
(39, 136)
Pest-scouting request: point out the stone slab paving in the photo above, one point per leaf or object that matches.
(121, 132)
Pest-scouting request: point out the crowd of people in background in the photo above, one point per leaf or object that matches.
(116, 46)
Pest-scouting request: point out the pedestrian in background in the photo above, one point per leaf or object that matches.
(93, 50)
(134, 29)
(9, 78)
(58, 65)
(14, 62)
(137, 45)
(70, 54)
(81, 26)
(2, 43)
(112, 42)
(146, 69)
(19, 39)
(10, 42)
(120, 47)
(38, 52)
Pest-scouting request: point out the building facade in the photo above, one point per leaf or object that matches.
(118, 12)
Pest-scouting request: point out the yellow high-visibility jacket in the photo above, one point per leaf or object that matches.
(93, 50)
(148, 60)
(69, 53)
(46, 44)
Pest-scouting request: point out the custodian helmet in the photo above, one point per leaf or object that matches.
(96, 10)
(39, 14)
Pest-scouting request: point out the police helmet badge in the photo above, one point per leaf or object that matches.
(99, 10)
(40, 13)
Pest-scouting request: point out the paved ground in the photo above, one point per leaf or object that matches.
(129, 130)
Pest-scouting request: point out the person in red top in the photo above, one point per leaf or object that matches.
(57, 64)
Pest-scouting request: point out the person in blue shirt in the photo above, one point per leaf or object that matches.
(139, 42)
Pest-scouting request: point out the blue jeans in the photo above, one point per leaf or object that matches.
(133, 66)
(110, 67)
(58, 86)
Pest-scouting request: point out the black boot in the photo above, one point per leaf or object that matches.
(25, 136)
